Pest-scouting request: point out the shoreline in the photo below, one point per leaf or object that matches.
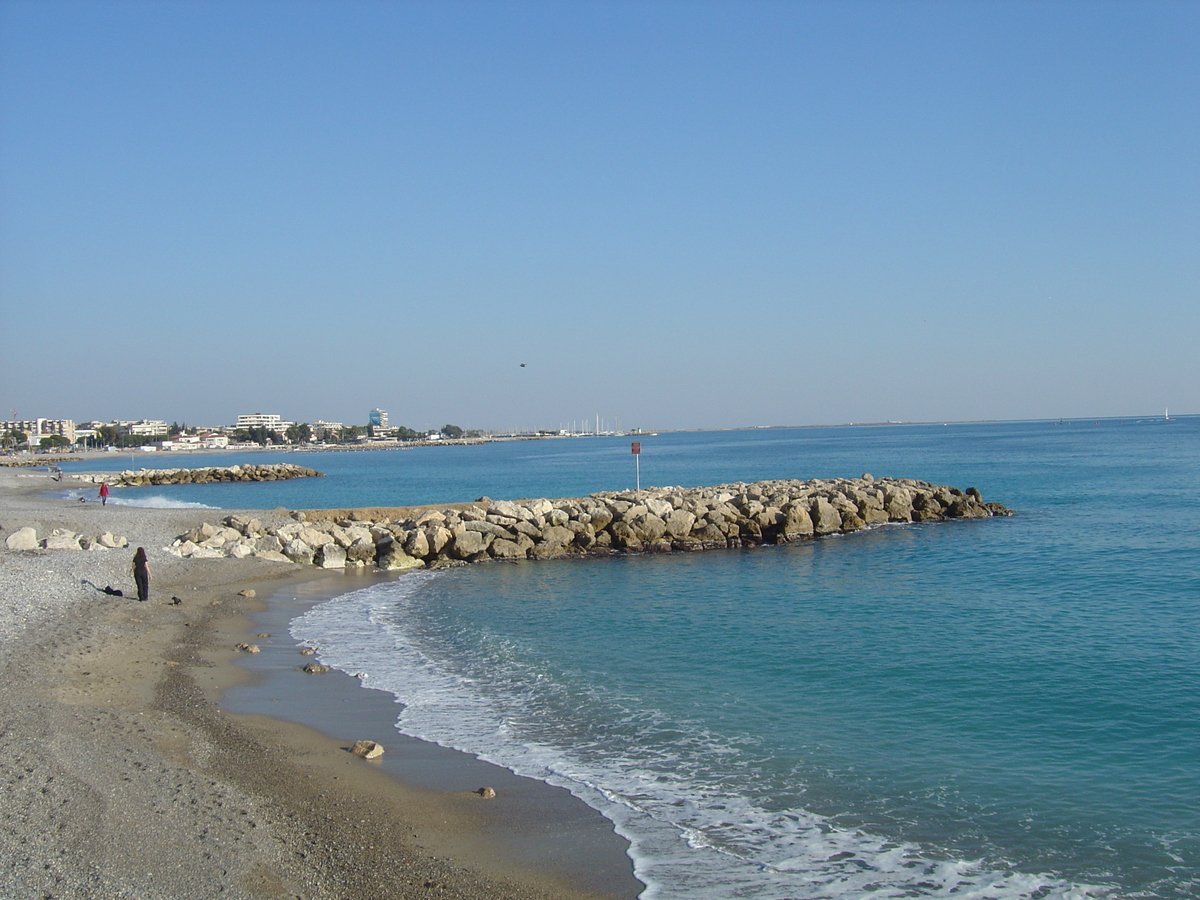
(126, 776)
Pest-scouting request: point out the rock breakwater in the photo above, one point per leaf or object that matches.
(209, 475)
(652, 520)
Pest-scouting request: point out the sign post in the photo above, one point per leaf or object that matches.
(636, 449)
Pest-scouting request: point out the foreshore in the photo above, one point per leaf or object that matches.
(125, 775)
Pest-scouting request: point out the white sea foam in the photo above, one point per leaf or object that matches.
(144, 501)
(690, 836)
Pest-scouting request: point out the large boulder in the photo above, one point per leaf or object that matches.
(851, 520)
(510, 510)
(361, 552)
(298, 552)
(966, 508)
(601, 517)
(394, 558)
(539, 507)
(61, 539)
(649, 527)
(469, 544)
(514, 549)
(660, 508)
(529, 529)
(710, 535)
(439, 537)
(797, 522)
(417, 543)
(315, 537)
(679, 523)
(897, 503)
(485, 527)
(825, 517)
(22, 539)
(623, 535)
(330, 556)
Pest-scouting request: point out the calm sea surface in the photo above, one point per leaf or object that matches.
(989, 709)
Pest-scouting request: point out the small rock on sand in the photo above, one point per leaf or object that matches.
(367, 749)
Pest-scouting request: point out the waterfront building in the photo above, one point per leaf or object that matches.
(269, 421)
(36, 429)
(322, 429)
(378, 418)
(147, 427)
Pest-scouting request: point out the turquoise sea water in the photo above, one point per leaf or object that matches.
(994, 709)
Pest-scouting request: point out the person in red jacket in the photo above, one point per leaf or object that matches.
(104, 493)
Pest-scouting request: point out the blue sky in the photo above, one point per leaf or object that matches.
(676, 214)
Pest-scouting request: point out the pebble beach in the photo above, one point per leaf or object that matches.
(123, 776)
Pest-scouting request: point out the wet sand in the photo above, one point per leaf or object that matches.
(125, 773)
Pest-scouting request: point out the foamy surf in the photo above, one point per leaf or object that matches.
(149, 501)
(692, 832)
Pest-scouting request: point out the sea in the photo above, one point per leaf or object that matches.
(999, 708)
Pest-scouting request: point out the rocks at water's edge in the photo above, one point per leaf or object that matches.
(367, 749)
(210, 475)
(651, 520)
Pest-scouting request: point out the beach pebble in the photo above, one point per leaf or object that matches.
(248, 592)
(486, 793)
(248, 648)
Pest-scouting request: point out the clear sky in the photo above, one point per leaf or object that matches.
(676, 214)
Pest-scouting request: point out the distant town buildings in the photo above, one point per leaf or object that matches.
(150, 434)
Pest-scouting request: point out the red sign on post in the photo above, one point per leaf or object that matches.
(635, 448)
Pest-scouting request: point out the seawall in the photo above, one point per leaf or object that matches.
(670, 519)
(207, 475)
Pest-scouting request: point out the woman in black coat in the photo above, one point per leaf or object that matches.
(141, 573)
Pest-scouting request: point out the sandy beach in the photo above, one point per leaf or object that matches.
(125, 775)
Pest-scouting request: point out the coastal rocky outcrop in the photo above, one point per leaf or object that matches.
(209, 475)
(653, 520)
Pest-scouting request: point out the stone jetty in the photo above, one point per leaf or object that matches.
(655, 520)
(210, 475)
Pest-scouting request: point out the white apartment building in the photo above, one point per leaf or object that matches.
(321, 429)
(268, 421)
(147, 428)
(206, 441)
(37, 429)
